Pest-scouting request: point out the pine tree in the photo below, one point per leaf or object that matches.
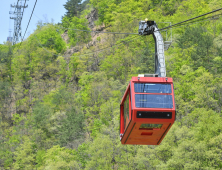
(73, 7)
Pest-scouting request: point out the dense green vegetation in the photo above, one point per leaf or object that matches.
(62, 112)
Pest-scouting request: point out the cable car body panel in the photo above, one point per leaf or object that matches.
(147, 110)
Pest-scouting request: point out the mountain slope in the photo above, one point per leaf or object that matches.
(59, 102)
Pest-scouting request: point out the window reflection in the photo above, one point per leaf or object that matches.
(152, 88)
(153, 101)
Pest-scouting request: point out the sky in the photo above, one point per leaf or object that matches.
(45, 10)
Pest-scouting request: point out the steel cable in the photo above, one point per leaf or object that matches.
(29, 21)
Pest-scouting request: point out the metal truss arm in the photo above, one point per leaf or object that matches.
(150, 27)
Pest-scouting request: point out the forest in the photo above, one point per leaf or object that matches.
(60, 89)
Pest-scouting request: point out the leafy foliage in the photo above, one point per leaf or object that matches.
(49, 37)
(59, 112)
(74, 7)
(76, 37)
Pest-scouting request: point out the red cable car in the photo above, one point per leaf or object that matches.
(147, 110)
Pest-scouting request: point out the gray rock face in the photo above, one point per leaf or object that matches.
(91, 17)
(65, 37)
(71, 51)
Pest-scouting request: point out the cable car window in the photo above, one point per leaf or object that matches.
(152, 88)
(126, 111)
(153, 101)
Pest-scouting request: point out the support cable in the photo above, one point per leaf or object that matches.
(183, 23)
(190, 19)
(95, 31)
(201, 20)
(96, 51)
(103, 49)
(101, 31)
(162, 29)
(106, 48)
(29, 22)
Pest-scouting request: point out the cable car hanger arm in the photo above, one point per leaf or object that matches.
(150, 27)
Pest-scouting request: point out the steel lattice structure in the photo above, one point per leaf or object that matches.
(17, 17)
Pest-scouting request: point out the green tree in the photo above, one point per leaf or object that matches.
(76, 37)
(59, 159)
(73, 7)
(71, 129)
(49, 37)
(203, 41)
(40, 116)
(25, 155)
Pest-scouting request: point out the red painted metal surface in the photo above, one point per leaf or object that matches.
(131, 127)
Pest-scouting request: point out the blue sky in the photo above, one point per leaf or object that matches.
(44, 10)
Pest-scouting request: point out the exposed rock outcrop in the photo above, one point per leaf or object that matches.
(65, 37)
(71, 51)
(91, 17)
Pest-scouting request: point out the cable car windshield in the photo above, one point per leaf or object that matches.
(152, 88)
(153, 101)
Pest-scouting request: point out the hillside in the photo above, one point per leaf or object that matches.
(60, 89)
